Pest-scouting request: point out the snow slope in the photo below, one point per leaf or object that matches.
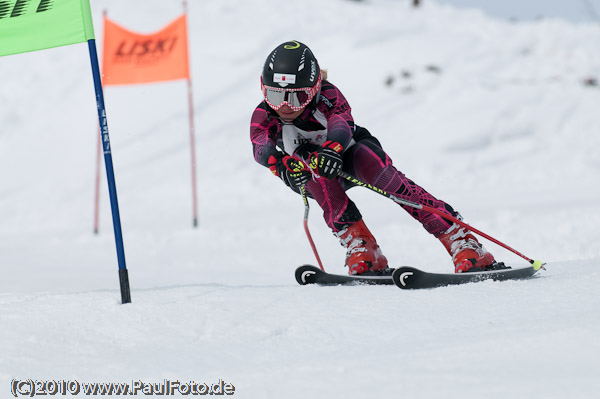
(574, 11)
(491, 116)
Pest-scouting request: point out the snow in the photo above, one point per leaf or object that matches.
(495, 119)
(575, 11)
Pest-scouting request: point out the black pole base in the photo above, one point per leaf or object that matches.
(124, 282)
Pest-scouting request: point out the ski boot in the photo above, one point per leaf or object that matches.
(468, 255)
(363, 255)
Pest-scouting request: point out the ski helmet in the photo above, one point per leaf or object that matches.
(291, 75)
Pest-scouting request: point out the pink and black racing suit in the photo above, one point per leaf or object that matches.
(329, 117)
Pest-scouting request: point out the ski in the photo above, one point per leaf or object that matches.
(412, 278)
(308, 274)
(407, 277)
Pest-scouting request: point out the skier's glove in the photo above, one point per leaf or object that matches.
(327, 160)
(291, 170)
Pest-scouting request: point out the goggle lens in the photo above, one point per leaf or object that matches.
(296, 99)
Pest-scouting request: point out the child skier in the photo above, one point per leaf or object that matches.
(303, 131)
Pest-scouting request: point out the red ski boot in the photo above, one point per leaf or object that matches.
(363, 255)
(467, 253)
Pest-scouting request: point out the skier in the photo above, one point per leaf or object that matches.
(303, 131)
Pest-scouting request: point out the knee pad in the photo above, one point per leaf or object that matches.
(388, 179)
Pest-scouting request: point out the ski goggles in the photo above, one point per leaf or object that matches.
(296, 99)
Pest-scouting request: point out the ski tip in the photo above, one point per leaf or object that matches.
(305, 274)
(402, 276)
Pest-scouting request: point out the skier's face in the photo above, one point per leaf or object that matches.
(287, 114)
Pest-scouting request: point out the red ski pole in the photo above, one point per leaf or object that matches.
(310, 240)
(537, 264)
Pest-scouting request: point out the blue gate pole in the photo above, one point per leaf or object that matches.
(110, 174)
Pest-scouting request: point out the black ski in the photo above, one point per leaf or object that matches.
(309, 274)
(411, 278)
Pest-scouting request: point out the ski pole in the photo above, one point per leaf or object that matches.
(310, 240)
(537, 264)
